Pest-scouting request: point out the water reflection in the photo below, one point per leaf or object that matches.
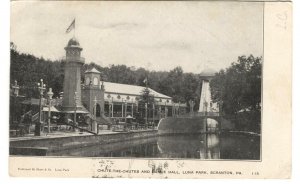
(200, 146)
(203, 146)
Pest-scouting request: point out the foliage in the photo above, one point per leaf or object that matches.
(28, 70)
(146, 97)
(238, 88)
(145, 101)
(235, 88)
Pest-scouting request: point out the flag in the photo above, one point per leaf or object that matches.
(145, 80)
(71, 27)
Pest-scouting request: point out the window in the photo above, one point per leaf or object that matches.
(95, 81)
(87, 81)
(98, 110)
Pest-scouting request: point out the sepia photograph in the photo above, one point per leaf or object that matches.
(146, 80)
(176, 82)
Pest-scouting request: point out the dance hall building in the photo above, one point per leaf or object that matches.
(106, 100)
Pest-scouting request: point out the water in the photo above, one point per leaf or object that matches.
(210, 146)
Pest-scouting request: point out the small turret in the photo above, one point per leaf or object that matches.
(92, 78)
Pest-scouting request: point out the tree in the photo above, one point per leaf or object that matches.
(191, 89)
(239, 86)
(173, 84)
(145, 101)
(28, 70)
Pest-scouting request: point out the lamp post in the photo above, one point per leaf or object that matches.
(15, 88)
(122, 108)
(132, 108)
(173, 109)
(159, 112)
(109, 108)
(166, 110)
(112, 107)
(50, 94)
(125, 111)
(42, 88)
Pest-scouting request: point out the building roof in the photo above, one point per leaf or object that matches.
(52, 109)
(208, 73)
(117, 88)
(93, 70)
(73, 42)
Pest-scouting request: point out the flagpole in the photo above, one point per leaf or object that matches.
(147, 81)
(74, 27)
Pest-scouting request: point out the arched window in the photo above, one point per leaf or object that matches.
(95, 81)
(87, 81)
(98, 110)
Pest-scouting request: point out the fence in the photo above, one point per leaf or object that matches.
(200, 114)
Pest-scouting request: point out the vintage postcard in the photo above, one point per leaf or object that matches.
(150, 89)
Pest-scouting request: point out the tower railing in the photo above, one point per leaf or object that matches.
(73, 58)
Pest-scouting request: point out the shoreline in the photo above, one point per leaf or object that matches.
(41, 146)
(242, 132)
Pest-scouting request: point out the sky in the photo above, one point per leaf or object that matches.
(154, 35)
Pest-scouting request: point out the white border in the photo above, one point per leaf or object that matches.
(4, 72)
